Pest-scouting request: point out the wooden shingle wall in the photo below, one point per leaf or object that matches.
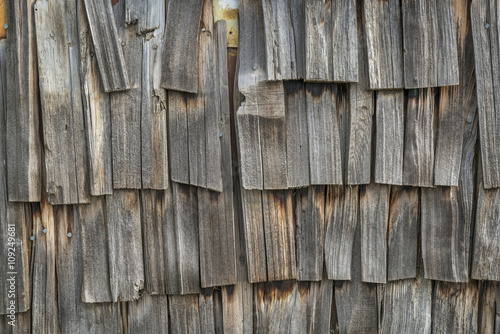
(341, 176)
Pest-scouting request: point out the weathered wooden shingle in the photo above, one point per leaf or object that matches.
(147, 15)
(318, 41)
(149, 314)
(344, 41)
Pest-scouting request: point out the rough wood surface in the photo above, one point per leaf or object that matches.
(430, 60)
(384, 40)
(126, 268)
(318, 41)
(324, 137)
(97, 113)
(184, 314)
(279, 232)
(341, 223)
(418, 158)
(147, 15)
(180, 51)
(344, 41)
(390, 137)
(23, 153)
(178, 136)
(108, 50)
(126, 110)
(487, 61)
(310, 233)
(62, 115)
(149, 314)
(488, 308)
(402, 233)
(297, 140)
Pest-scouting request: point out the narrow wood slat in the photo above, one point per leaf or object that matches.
(344, 41)
(298, 21)
(107, 46)
(402, 233)
(178, 136)
(23, 154)
(237, 307)
(418, 160)
(384, 40)
(206, 311)
(182, 240)
(484, 13)
(318, 41)
(455, 308)
(149, 314)
(489, 295)
(279, 232)
(126, 267)
(62, 114)
(390, 137)
(297, 141)
(180, 52)
(184, 314)
(126, 110)
(341, 223)
(249, 148)
(310, 221)
(431, 60)
(97, 113)
(324, 138)
(147, 15)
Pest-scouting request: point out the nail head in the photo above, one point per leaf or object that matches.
(155, 47)
(469, 119)
(32, 238)
(124, 43)
(52, 34)
(487, 25)
(220, 134)
(70, 235)
(70, 44)
(5, 26)
(203, 29)
(254, 67)
(242, 258)
(44, 230)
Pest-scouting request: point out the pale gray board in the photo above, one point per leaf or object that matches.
(430, 60)
(62, 115)
(125, 255)
(384, 39)
(97, 113)
(147, 15)
(341, 215)
(23, 154)
(126, 110)
(184, 314)
(344, 41)
(180, 51)
(107, 45)
(389, 135)
(318, 41)
(418, 160)
(487, 69)
(149, 314)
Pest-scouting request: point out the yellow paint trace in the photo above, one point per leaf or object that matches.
(227, 10)
(3, 32)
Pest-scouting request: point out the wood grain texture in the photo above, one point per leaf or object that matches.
(318, 41)
(126, 111)
(324, 138)
(206, 307)
(390, 137)
(418, 160)
(344, 41)
(297, 140)
(180, 52)
(341, 212)
(431, 60)
(97, 113)
(384, 40)
(279, 232)
(488, 309)
(455, 308)
(487, 69)
(147, 15)
(298, 20)
(178, 136)
(96, 286)
(149, 314)
(62, 115)
(108, 51)
(310, 233)
(126, 267)
(184, 314)
(23, 153)
(182, 265)
(23, 324)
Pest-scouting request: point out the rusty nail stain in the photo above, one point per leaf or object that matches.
(44, 230)
(70, 235)
(32, 238)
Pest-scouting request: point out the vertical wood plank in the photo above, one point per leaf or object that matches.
(206, 311)
(180, 52)
(107, 47)
(126, 268)
(318, 41)
(23, 153)
(149, 314)
(184, 314)
(178, 136)
(298, 22)
(145, 15)
(344, 41)
(487, 310)
(249, 148)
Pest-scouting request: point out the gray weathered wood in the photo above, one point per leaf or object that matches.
(180, 51)
(341, 222)
(318, 41)
(249, 151)
(178, 136)
(279, 232)
(344, 41)
(97, 113)
(430, 60)
(298, 21)
(487, 310)
(384, 40)
(22, 324)
(62, 113)
(310, 234)
(126, 110)
(147, 15)
(403, 231)
(373, 219)
(455, 308)
(487, 61)
(389, 137)
(126, 268)
(153, 208)
(418, 160)
(149, 314)
(324, 137)
(108, 51)
(183, 314)
(96, 286)
(23, 154)
(297, 141)
(206, 310)
(182, 265)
